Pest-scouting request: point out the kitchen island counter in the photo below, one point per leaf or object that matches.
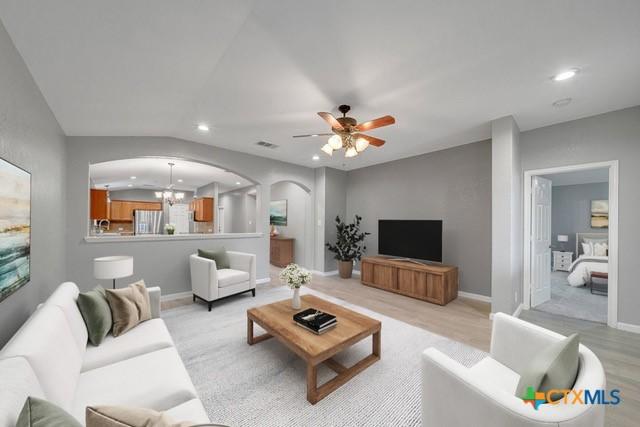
(159, 237)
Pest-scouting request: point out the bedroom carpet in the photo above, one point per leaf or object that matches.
(578, 303)
(265, 384)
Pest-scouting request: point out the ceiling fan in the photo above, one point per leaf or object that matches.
(346, 133)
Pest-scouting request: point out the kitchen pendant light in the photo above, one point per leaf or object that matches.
(170, 196)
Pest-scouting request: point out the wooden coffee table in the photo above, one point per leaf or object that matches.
(277, 320)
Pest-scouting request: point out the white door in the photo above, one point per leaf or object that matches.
(540, 241)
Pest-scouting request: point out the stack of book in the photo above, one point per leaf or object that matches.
(315, 321)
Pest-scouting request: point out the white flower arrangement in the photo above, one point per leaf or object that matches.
(170, 228)
(294, 276)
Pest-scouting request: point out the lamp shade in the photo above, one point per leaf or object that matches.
(112, 267)
(563, 238)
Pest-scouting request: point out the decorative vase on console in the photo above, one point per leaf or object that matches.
(274, 231)
(295, 277)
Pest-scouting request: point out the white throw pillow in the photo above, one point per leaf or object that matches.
(600, 249)
(587, 249)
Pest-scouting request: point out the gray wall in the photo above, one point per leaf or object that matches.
(239, 210)
(31, 138)
(297, 217)
(610, 136)
(335, 204)
(173, 277)
(453, 185)
(571, 211)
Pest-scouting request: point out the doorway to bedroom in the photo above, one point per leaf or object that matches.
(570, 240)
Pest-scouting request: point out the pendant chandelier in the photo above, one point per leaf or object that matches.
(169, 196)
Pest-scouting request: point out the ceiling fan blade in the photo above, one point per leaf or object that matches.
(312, 135)
(376, 123)
(372, 140)
(328, 117)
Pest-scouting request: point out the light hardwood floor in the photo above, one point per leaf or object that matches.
(467, 320)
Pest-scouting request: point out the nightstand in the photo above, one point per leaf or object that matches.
(562, 260)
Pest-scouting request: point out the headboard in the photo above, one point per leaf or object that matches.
(581, 236)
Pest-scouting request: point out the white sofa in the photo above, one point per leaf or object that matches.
(209, 284)
(49, 358)
(484, 395)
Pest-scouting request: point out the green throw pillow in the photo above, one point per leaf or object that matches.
(40, 413)
(96, 313)
(554, 367)
(219, 256)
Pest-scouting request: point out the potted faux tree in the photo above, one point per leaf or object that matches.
(349, 245)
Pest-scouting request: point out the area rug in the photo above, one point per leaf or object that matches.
(265, 384)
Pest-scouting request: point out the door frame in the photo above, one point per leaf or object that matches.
(612, 297)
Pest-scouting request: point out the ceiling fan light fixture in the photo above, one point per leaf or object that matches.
(327, 149)
(351, 152)
(335, 142)
(361, 145)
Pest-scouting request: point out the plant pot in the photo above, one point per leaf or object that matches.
(170, 232)
(295, 301)
(345, 268)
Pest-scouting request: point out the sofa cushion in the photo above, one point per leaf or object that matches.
(18, 381)
(156, 380)
(228, 277)
(554, 367)
(490, 371)
(145, 338)
(218, 255)
(96, 313)
(189, 411)
(129, 306)
(41, 413)
(48, 344)
(65, 297)
(128, 416)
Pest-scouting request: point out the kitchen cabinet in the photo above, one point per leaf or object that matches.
(202, 208)
(99, 207)
(122, 210)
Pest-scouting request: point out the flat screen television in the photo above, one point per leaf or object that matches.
(417, 239)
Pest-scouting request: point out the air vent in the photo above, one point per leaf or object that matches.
(266, 144)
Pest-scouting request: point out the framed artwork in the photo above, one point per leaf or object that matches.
(599, 214)
(15, 228)
(278, 212)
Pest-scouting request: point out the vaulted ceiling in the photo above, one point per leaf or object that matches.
(260, 70)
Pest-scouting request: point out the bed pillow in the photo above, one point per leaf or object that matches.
(587, 249)
(600, 249)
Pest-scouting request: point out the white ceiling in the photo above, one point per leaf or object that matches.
(579, 177)
(153, 174)
(260, 70)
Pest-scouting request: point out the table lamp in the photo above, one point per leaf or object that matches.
(113, 267)
(563, 238)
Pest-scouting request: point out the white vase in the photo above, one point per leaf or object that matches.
(295, 301)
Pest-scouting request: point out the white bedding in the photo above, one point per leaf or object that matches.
(581, 268)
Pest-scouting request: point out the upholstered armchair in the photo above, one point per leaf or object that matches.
(209, 284)
(484, 395)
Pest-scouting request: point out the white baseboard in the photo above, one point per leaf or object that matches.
(629, 327)
(325, 273)
(178, 295)
(474, 296)
(518, 310)
(263, 281)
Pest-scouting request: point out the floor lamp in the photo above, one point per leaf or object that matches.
(113, 267)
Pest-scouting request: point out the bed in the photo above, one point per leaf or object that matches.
(581, 268)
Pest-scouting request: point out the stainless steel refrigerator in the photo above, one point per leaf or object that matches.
(147, 222)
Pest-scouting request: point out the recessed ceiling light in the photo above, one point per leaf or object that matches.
(562, 102)
(203, 127)
(132, 177)
(180, 180)
(238, 183)
(315, 157)
(130, 185)
(315, 134)
(565, 75)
